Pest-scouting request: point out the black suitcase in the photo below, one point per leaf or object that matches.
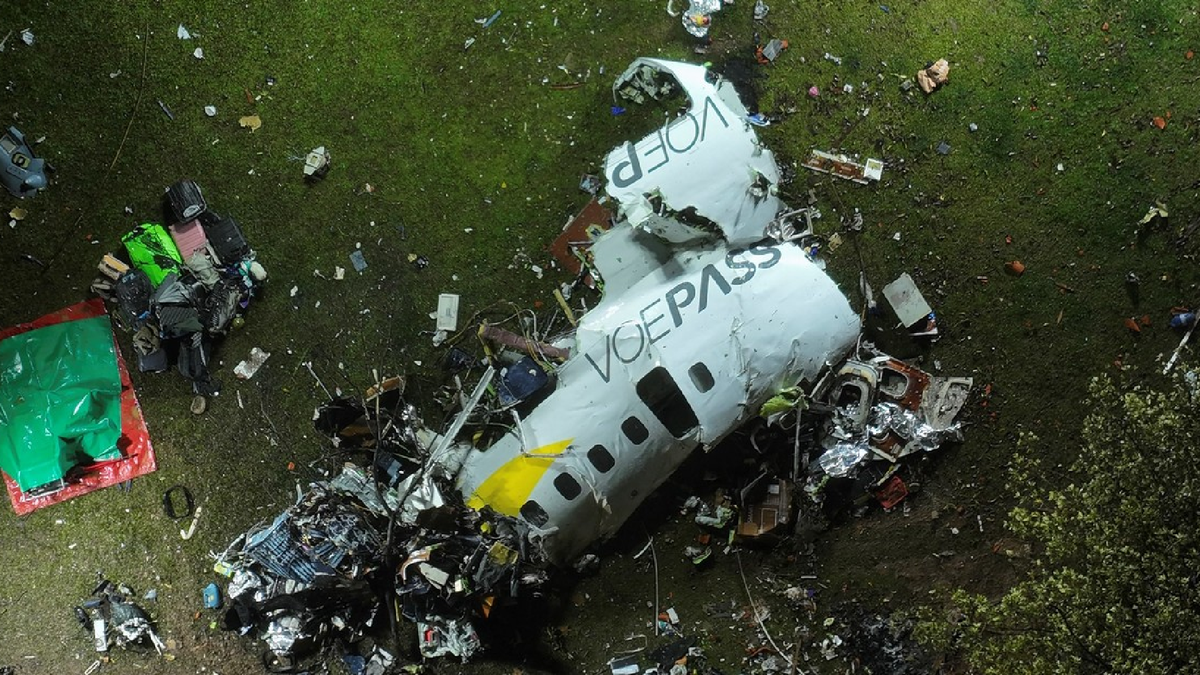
(185, 201)
(225, 237)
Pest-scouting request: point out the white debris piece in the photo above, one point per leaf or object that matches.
(182, 33)
(316, 162)
(246, 369)
(906, 300)
(447, 312)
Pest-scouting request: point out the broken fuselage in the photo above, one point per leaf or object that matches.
(680, 360)
(703, 319)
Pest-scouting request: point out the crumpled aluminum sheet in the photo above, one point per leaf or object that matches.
(843, 457)
(420, 495)
(448, 636)
(132, 630)
(696, 9)
(911, 427)
(131, 625)
(244, 581)
(353, 481)
(282, 634)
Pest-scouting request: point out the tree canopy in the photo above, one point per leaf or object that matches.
(1113, 586)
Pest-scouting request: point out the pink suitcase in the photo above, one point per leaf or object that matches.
(189, 237)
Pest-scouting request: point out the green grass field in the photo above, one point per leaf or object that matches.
(474, 159)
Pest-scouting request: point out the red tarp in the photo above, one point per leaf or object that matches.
(138, 455)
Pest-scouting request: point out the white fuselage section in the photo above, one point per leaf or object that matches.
(682, 357)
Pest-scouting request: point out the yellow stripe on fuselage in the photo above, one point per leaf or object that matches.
(511, 485)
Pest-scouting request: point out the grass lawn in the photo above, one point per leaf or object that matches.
(474, 159)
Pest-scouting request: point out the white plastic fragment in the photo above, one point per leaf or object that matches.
(906, 300)
(183, 33)
(199, 53)
(874, 169)
(187, 534)
(447, 312)
(210, 110)
(247, 368)
(27, 37)
(316, 161)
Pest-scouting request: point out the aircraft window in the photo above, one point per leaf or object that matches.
(663, 397)
(567, 486)
(701, 377)
(635, 430)
(601, 458)
(535, 514)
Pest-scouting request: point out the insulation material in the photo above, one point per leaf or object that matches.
(698, 16)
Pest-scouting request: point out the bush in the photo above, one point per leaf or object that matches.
(1116, 564)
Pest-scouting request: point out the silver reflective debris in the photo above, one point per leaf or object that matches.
(698, 16)
(842, 458)
(283, 633)
(911, 427)
(244, 581)
(448, 637)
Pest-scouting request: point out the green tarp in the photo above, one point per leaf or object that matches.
(60, 404)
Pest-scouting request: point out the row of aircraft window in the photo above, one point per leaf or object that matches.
(659, 391)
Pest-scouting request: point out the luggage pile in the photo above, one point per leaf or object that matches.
(180, 288)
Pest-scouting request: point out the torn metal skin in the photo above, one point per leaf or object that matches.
(698, 326)
(885, 408)
(704, 175)
(704, 317)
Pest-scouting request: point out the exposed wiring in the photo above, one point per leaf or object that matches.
(654, 559)
(758, 617)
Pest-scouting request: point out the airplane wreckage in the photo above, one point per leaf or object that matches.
(713, 313)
